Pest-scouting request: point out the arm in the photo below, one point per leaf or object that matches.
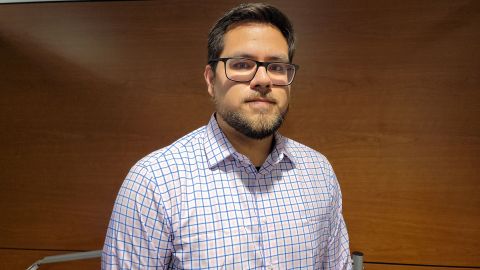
(139, 233)
(338, 251)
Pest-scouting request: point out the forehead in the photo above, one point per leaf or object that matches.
(255, 40)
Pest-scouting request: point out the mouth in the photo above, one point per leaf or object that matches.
(260, 104)
(260, 100)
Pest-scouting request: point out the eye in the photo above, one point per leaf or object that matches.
(241, 64)
(277, 67)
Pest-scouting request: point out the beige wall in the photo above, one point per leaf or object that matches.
(387, 90)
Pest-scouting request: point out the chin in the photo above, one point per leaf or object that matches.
(264, 120)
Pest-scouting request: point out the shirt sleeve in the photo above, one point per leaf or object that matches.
(139, 233)
(338, 251)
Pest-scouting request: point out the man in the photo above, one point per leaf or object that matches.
(234, 194)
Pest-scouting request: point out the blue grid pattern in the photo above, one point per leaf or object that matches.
(199, 204)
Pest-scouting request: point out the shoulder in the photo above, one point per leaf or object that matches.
(181, 148)
(155, 176)
(171, 159)
(305, 155)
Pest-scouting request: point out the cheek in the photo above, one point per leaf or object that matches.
(283, 97)
(231, 95)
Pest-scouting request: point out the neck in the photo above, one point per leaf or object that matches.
(257, 150)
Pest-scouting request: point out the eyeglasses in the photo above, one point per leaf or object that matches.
(244, 70)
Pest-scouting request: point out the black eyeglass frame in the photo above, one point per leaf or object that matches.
(258, 63)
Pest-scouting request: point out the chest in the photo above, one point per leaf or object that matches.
(247, 220)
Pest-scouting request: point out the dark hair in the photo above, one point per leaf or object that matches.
(244, 13)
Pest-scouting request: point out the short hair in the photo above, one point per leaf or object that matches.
(245, 13)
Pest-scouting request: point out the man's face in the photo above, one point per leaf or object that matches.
(256, 108)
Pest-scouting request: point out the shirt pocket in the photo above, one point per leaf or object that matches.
(299, 239)
(226, 248)
(319, 227)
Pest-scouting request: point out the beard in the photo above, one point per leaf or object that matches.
(263, 126)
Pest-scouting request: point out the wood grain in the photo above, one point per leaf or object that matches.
(22, 259)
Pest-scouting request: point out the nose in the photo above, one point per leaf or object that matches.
(261, 81)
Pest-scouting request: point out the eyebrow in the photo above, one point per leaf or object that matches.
(280, 58)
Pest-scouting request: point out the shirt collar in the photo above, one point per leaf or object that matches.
(218, 148)
(282, 150)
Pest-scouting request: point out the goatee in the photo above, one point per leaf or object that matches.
(260, 128)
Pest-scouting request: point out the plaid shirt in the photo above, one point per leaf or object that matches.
(199, 204)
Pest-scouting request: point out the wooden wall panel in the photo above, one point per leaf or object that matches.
(387, 90)
(392, 99)
(22, 259)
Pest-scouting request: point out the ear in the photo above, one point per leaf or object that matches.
(209, 76)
